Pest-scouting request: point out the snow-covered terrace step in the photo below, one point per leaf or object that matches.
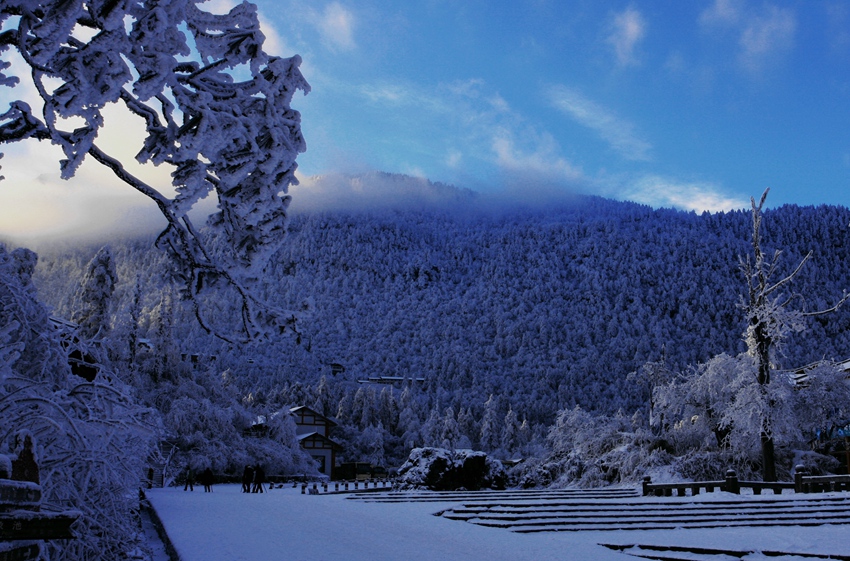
(584, 526)
(455, 514)
(685, 553)
(513, 495)
(688, 521)
(839, 504)
(546, 516)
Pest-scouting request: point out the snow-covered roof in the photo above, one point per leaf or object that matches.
(302, 409)
(390, 380)
(320, 436)
(800, 376)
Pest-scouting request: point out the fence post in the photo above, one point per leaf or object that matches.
(336, 486)
(732, 485)
(304, 488)
(799, 472)
(646, 482)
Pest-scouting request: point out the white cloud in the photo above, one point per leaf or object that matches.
(627, 30)
(543, 162)
(766, 36)
(454, 159)
(764, 33)
(336, 24)
(36, 203)
(617, 132)
(658, 191)
(396, 94)
(373, 190)
(722, 12)
(463, 126)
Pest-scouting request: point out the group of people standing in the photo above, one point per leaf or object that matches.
(253, 478)
(206, 479)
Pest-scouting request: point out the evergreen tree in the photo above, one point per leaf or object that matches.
(449, 431)
(94, 297)
(510, 437)
(491, 429)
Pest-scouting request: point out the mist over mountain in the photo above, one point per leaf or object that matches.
(376, 190)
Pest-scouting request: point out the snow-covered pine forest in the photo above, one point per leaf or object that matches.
(524, 324)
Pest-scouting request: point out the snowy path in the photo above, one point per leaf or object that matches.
(283, 525)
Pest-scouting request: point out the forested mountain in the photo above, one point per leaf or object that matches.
(541, 308)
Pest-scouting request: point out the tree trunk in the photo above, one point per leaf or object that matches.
(768, 455)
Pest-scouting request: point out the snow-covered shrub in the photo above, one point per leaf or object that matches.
(207, 426)
(703, 465)
(439, 469)
(814, 463)
(596, 450)
(92, 438)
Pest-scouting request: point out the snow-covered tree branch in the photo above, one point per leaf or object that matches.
(216, 109)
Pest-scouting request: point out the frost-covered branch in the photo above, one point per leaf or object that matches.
(179, 69)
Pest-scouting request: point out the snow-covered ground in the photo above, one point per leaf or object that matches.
(227, 525)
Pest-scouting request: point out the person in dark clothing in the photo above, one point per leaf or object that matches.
(259, 479)
(247, 479)
(190, 480)
(207, 480)
(24, 466)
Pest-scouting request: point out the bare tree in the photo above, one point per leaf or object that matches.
(770, 319)
(216, 109)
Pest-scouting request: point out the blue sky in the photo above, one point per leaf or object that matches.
(697, 105)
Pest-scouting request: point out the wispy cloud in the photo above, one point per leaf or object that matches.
(541, 162)
(766, 36)
(628, 28)
(658, 191)
(721, 12)
(464, 125)
(764, 33)
(336, 24)
(393, 93)
(618, 133)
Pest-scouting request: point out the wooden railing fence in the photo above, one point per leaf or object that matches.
(803, 483)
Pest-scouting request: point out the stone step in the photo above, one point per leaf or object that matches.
(620, 511)
(673, 518)
(644, 514)
(584, 526)
(668, 503)
(459, 496)
(679, 553)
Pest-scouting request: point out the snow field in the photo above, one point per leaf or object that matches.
(283, 524)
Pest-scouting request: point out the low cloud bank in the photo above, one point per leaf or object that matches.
(375, 191)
